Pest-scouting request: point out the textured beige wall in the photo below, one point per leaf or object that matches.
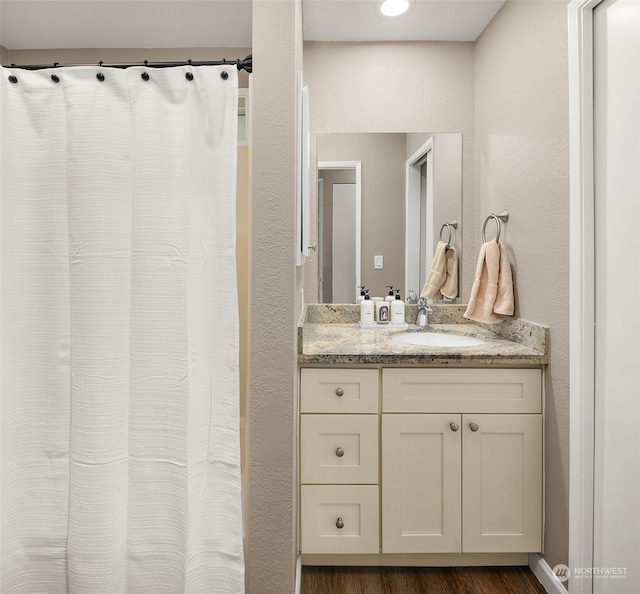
(403, 87)
(383, 160)
(275, 300)
(522, 164)
(4, 55)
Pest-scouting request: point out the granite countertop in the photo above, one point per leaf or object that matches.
(331, 334)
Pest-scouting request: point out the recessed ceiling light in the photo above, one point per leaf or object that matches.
(394, 8)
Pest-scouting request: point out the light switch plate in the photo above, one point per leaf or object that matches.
(378, 262)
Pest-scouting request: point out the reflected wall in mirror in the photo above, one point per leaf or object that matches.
(389, 195)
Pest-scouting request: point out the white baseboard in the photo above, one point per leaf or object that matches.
(545, 575)
(298, 584)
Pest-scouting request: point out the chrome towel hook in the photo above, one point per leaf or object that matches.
(453, 224)
(503, 216)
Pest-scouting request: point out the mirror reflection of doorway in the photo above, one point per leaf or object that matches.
(344, 243)
(426, 218)
(338, 231)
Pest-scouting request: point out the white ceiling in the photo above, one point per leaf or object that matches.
(428, 20)
(42, 24)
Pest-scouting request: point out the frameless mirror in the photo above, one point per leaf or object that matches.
(384, 202)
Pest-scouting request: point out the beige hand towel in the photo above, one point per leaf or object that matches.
(492, 291)
(504, 300)
(437, 275)
(485, 285)
(450, 287)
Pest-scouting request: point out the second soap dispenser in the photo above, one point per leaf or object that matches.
(397, 310)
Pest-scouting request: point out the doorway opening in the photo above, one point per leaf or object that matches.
(339, 234)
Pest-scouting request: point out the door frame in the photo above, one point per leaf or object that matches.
(582, 290)
(412, 215)
(357, 166)
(319, 233)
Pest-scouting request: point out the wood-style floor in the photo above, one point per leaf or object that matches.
(419, 580)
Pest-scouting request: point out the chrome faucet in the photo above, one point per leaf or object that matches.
(423, 312)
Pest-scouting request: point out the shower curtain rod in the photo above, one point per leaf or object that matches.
(246, 64)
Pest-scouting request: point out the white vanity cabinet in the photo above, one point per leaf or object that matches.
(461, 460)
(420, 460)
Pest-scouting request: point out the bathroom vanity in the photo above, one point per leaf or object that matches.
(414, 455)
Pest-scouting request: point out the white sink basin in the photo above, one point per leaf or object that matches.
(441, 339)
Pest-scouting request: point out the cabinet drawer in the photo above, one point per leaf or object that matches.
(339, 519)
(339, 390)
(462, 390)
(339, 449)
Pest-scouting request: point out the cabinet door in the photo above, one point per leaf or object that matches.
(502, 477)
(421, 483)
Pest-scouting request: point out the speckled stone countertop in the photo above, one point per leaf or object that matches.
(329, 334)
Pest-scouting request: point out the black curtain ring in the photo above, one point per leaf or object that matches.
(145, 76)
(224, 75)
(189, 76)
(100, 76)
(13, 79)
(55, 78)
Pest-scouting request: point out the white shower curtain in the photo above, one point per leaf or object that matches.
(120, 462)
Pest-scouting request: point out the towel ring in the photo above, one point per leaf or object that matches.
(503, 216)
(453, 224)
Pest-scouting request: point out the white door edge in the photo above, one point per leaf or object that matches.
(582, 290)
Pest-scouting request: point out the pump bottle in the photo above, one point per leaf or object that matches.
(397, 309)
(366, 309)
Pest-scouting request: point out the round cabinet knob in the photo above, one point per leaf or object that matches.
(339, 452)
(339, 524)
(454, 426)
(473, 426)
(339, 392)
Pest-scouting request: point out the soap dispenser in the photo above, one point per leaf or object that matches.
(397, 310)
(390, 297)
(360, 298)
(366, 309)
